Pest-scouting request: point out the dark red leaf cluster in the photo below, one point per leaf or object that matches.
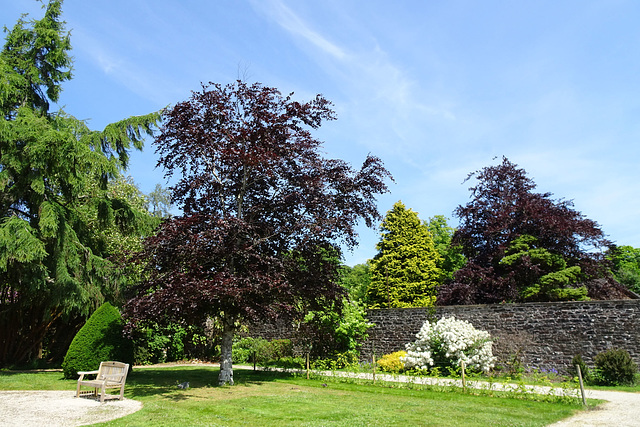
(504, 206)
(263, 210)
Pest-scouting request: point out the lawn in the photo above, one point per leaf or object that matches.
(269, 398)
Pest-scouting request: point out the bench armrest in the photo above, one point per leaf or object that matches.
(83, 373)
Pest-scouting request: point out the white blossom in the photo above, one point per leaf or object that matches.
(458, 340)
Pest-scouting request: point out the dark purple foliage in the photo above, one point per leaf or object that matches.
(263, 210)
(504, 206)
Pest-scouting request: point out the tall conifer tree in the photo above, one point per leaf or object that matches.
(55, 200)
(405, 272)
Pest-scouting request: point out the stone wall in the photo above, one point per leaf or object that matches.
(545, 335)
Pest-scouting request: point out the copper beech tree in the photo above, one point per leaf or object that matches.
(263, 212)
(525, 246)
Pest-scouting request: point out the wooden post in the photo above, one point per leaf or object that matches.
(307, 365)
(464, 382)
(584, 401)
(374, 368)
(254, 360)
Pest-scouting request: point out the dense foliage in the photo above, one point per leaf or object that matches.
(447, 343)
(625, 262)
(404, 272)
(262, 212)
(330, 332)
(356, 281)
(451, 258)
(614, 367)
(99, 340)
(55, 198)
(524, 245)
(169, 343)
(540, 274)
(263, 352)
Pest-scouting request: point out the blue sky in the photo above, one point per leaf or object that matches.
(436, 89)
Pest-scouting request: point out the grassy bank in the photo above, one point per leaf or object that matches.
(269, 398)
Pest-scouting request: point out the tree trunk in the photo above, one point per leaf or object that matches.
(226, 369)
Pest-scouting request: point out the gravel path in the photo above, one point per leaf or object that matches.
(59, 408)
(620, 410)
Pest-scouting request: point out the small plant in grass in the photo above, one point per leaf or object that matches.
(447, 343)
(392, 362)
(614, 367)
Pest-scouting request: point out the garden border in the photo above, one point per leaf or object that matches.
(543, 335)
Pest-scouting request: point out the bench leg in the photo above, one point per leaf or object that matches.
(78, 390)
(102, 393)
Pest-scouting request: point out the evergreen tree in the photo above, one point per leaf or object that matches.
(539, 274)
(55, 201)
(404, 272)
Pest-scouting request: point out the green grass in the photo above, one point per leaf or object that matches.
(276, 399)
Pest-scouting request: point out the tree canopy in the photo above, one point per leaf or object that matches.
(625, 262)
(356, 281)
(55, 200)
(517, 241)
(263, 211)
(404, 272)
(451, 256)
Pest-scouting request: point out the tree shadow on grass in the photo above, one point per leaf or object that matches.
(145, 382)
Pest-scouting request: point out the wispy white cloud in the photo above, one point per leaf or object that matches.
(383, 102)
(291, 22)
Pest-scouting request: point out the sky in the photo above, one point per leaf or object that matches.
(435, 89)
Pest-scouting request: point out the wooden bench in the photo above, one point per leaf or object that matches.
(109, 375)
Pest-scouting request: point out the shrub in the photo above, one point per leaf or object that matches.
(584, 369)
(244, 349)
(328, 332)
(614, 367)
(278, 349)
(154, 343)
(99, 340)
(342, 360)
(447, 343)
(266, 352)
(392, 362)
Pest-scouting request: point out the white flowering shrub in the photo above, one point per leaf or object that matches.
(449, 342)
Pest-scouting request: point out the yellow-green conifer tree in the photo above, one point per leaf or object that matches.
(405, 272)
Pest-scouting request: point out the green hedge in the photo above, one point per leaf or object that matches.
(99, 340)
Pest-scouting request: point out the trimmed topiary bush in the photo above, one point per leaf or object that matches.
(614, 367)
(99, 340)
